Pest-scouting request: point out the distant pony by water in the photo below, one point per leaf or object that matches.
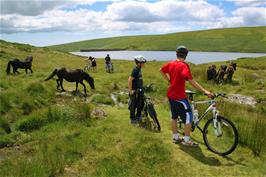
(211, 73)
(230, 72)
(220, 74)
(17, 64)
(76, 75)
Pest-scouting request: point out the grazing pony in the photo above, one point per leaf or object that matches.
(76, 75)
(211, 73)
(220, 74)
(16, 64)
(230, 72)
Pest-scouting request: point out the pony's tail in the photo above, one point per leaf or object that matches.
(8, 67)
(51, 75)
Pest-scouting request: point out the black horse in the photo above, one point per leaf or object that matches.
(76, 75)
(211, 73)
(16, 64)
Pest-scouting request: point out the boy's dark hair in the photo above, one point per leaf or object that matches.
(181, 52)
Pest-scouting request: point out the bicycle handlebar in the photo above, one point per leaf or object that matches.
(220, 94)
(216, 95)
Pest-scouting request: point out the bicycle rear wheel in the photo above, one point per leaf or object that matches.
(221, 140)
(153, 115)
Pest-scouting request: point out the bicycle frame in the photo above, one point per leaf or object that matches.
(215, 114)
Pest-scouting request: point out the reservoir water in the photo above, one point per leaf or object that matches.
(194, 57)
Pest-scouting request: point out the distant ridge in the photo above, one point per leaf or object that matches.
(244, 39)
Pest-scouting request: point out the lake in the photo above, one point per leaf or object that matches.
(194, 57)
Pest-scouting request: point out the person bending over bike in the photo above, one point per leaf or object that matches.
(93, 63)
(177, 73)
(135, 89)
(108, 63)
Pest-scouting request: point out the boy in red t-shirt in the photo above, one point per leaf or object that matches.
(177, 73)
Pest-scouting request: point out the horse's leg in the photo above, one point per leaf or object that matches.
(77, 86)
(26, 71)
(61, 84)
(30, 70)
(84, 87)
(14, 70)
(230, 77)
(57, 81)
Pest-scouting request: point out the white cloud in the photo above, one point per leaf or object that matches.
(146, 17)
(248, 3)
(246, 16)
(168, 10)
(37, 7)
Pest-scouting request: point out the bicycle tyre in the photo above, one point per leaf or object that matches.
(234, 130)
(152, 113)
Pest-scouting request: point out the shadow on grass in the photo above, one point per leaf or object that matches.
(233, 162)
(197, 154)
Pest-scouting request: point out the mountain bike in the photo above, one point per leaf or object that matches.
(149, 115)
(219, 133)
(109, 68)
(88, 67)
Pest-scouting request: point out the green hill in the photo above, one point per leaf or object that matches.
(54, 134)
(246, 39)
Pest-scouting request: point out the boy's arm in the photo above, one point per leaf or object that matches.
(200, 88)
(165, 76)
(130, 80)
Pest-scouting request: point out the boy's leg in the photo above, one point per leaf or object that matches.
(187, 117)
(174, 126)
(187, 129)
(132, 108)
(174, 108)
(140, 105)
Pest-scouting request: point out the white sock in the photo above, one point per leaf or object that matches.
(175, 136)
(186, 138)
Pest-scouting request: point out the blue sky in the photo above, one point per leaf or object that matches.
(48, 22)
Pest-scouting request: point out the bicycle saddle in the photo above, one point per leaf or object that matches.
(190, 92)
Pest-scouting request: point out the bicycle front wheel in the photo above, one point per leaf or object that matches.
(221, 139)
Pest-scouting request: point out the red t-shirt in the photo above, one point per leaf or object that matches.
(179, 72)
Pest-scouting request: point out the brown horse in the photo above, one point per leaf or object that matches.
(230, 72)
(76, 75)
(16, 64)
(220, 74)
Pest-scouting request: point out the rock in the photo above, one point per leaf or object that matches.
(238, 98)
(98, 113)
(255, 76)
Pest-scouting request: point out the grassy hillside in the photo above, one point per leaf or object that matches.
(247, 39)
(54, 134)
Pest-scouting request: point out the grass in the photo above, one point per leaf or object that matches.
(246, 39)
(53, 134)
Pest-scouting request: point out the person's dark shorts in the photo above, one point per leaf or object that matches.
(181, 108)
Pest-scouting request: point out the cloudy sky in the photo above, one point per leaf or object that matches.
(47, 22)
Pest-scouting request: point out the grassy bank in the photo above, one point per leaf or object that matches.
(54, 134)
(247, 39)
